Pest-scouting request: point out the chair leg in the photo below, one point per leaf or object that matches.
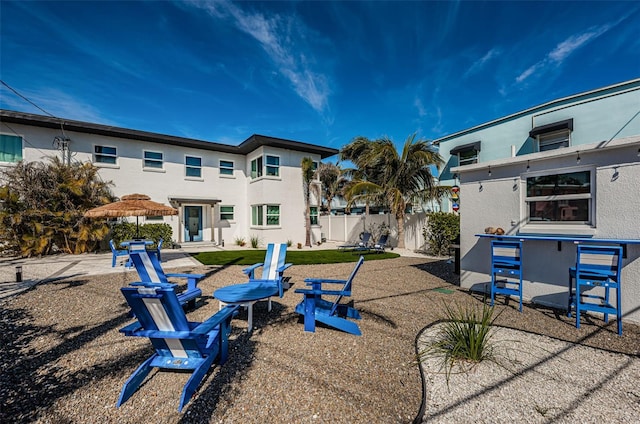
(195, 379)
(133, 383)
(493, 287)
(310, 313)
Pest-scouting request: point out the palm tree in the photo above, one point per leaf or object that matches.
(330, 175)
(396, 179)
(307, 186)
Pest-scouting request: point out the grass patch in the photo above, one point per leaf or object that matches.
(250, 257)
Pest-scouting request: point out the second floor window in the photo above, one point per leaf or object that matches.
(552, 136)
(226, 167)
(467, 154)
(273, 166)
(256, 167)
(153, 160)
(105, 154)
(193, 166)
(10, 148)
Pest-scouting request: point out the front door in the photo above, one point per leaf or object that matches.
(193, 223)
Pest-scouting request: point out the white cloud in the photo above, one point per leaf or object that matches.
(422, 111)
(276, 36)
(564, 49)
(479, 64)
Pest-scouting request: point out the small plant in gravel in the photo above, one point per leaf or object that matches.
(464, 339)
(255, 241)
(289, 243)
(240, 241)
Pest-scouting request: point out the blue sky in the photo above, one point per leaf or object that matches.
(318, 72)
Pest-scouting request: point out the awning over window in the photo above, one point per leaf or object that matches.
(471, 146)
(567, 124)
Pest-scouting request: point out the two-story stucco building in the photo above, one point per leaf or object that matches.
(566, 168)
(222, 192)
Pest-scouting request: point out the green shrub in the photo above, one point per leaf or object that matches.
(255, 241)
(464, 338)
(441, 229)
(240, 241)
(127, 230)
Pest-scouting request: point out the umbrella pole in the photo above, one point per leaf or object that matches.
(137, 228)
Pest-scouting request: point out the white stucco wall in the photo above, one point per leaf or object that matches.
(238, 190)
(498, 201)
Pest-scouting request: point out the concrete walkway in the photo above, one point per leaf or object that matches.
(49, 268)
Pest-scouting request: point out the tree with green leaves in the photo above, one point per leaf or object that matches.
(43, 206)
(392, 178)
(332, 183)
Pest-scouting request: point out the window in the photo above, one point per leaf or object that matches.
(226, 167)
(226, 213)
(153, 160)
(314, 215)
(10, 148)
(105, 154)
(256, 167)
(272, 217)
(553, 136)
(193, 166)
(273, 166)
(467, 154)
(564, 198)
(553, 140)
(154, 218)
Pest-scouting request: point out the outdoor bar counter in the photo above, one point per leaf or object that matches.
(546, 260)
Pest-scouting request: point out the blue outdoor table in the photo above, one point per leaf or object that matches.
(246, 295)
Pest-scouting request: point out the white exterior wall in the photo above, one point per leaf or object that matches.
(498, 201)
(238, 190)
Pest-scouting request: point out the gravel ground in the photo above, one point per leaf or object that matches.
(63, 360)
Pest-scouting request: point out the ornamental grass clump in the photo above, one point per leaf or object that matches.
(464, 339)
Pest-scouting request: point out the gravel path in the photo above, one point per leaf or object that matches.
(62, 358)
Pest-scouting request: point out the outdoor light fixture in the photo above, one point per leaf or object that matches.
(638, 152)
(489, 170)
(528, 167)
(578, 159)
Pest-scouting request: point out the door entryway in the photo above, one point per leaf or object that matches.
(193, 223)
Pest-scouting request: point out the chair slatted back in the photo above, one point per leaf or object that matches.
(599, 259)
(346, 290)
(156, 307)
(365, 239)
(147, 264)
(506, 254)
(273, 260)
(382, 242)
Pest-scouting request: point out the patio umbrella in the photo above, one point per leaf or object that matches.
(131, 205)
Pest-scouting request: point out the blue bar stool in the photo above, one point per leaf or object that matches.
(596, 266)
(506, 262)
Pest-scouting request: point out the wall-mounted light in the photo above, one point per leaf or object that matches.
(489, 170)
(615, 175)
(578, 158)
(639, 153)
(528, 167)
(480, 188)
(515, 184)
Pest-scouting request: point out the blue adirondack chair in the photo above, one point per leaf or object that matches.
(363, 244)
(117, 253)
(506, 262)
(379, 246)
(596, 266)
(179, 344)
(269, 284)
(314, 308)
(150, 271)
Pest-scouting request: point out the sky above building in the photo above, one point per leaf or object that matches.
(318, 72)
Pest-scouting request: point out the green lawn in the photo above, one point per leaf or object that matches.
(307, 257)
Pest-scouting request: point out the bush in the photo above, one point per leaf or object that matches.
(255, 241)
(127, 230)
(441, 229)
(465, 337)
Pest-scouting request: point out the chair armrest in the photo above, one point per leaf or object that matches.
(224, 314)
(311, 281)
(283, 268)
(249, 271)
(321, 292)
(131, 328)
(185, 275)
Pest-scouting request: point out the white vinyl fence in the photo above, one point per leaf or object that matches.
(346, 228)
